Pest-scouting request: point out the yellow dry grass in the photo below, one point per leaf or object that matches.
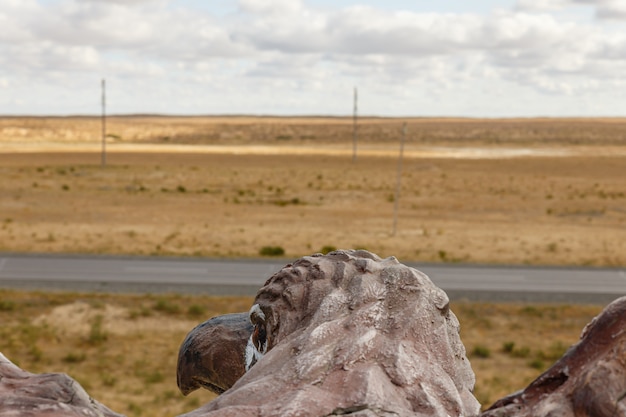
(530, 210)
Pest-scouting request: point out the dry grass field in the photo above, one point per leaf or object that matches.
(123, 348)
(530, 196)
(536, 191)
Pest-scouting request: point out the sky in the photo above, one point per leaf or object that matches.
(474, 58)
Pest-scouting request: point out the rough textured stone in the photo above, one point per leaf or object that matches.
(350, 333)
(44, 395)
(589, 380)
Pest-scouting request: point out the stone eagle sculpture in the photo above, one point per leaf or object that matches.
(320, 310)
(343, 333)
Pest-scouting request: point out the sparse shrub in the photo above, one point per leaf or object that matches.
(285, 202)
(481, 351)
(193, 402)
(522, 352)
(166, 306)
(97, 335)
(327, 249)
(507, 347)
(555, 351)
(272, 251)
(181, 189)
(36, 353)
(142, 311)
(65, 187)
(108, 380)
(531, 311)
(154, 377)
(7, 305)
(135, 409)
(537, 364)
(196, 310)
(74, 357)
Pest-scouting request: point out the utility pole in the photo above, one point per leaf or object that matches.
(354, 126)
(104, 124)
(396, 201)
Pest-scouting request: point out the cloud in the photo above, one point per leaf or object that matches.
(604, 9)
(290, 46)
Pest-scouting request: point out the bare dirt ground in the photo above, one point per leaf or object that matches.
(536, 191)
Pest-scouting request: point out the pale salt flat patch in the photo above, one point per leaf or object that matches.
(18, 145)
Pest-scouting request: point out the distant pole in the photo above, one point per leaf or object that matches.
(396, 201)
(104, 125)
(354, 126)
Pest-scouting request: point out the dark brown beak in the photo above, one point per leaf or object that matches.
(212, 356)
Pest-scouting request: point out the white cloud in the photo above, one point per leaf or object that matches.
(604, 9)
(287, 48)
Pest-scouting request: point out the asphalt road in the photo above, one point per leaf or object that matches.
(245, 277)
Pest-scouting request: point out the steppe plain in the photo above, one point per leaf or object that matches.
(536, 191)
(521, 191)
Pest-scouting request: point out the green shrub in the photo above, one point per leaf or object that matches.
(108, 380)
(327, 248)
(7, 305)
(537, 364)
(166, 306)
(481, 351)
(272, 251)
(522, 352)
(74, 357)
(507, 347)
(97, 335)
(154, 377)
(196, 310)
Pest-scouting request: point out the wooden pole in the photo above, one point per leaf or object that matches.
(396, 201)
(354, 126)
(104, 129)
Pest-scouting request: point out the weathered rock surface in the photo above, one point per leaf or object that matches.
(44, 395)
(589, 380)
(350, 333)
